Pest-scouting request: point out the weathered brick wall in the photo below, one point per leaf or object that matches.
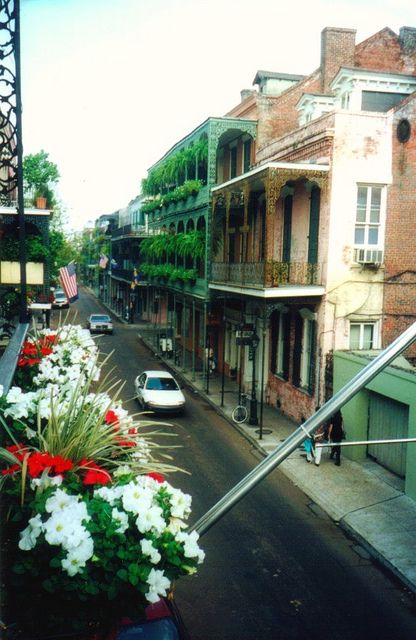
(400, 239)
(277, 115)
(337, 50)
(385, 51)
(310, 142)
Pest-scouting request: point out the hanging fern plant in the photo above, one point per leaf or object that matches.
(166, 175)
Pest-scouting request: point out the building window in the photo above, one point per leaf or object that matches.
(368, 216)
(280, 328)
(345, 101)
(233, 162)
(363, 335)
(307, 357)
(246, 156)
(303, 374)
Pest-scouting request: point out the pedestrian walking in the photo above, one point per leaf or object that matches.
(318, 437)
(308, 444)
(336, 434)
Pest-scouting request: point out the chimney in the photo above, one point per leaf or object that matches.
(337, 50)
(407, 37)
(246, 93)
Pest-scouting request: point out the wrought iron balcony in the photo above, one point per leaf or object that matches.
(133, 230)
(266, 274)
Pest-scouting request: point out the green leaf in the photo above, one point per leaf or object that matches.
(123, 575)
(55, 563)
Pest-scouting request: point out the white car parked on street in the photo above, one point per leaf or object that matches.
(158, 391)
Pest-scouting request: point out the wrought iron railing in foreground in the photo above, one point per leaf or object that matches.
(8, 360)
(291, 443)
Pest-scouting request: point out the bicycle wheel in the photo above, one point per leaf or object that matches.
(239, 414)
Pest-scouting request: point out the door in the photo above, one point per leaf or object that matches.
(314, 226)
(388, 419)
(287, 228)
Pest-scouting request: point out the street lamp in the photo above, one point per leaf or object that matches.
(254, 343)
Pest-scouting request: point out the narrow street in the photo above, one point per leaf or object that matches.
(276, 567)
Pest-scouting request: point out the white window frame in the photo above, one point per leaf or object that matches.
(367, 224)
(345, 100)
(364, 323)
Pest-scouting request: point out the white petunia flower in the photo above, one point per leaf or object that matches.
(149, 550)
(122, 518)
(158, 584)
(180, 503)
(29, 535)
(175, 525)
(109, 494)
(60, 500)
(76, 558)
(136, 498)
(190, 546)
(151, 519)
(46, 481)
(122, 470)
(14, 394)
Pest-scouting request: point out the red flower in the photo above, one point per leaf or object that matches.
(18, 450)
(95, 473)
(22, 362)
(156, 476)
(37, 462)
(125, 443)
(47, 341)
(61, 464)
(111, 418)
(29, 349)
(46, 351)
(12, 469)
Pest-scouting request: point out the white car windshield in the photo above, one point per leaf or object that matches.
(100, 319)
(161, 384)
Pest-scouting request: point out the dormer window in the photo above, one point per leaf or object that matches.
(345, 101)
(359, 89)
(312, 106)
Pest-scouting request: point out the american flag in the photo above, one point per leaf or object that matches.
(68, 277)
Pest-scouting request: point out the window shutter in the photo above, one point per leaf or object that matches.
(297, 350)
(286, 345)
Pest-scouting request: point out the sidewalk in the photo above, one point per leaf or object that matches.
(365, 499)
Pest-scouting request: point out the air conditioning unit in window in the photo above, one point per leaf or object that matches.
(369, 256)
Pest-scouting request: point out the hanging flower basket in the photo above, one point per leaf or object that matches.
(93, 531)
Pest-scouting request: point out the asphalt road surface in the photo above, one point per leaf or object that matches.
(276, 568)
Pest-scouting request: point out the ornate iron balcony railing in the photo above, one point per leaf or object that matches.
(266, 274)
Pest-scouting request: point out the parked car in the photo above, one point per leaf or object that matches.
(60, 301)
(100, 323)
(158, 391)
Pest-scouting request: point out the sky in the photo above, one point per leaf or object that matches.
(108, 86)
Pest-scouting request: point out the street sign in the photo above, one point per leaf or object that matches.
(244, 334)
